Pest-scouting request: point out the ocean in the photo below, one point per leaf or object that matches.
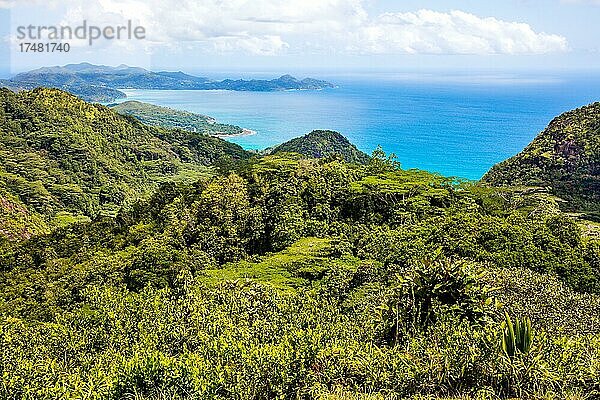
(458, 125)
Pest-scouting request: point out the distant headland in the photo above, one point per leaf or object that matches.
(102, 83)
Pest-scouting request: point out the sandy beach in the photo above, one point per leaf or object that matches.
(245, 132)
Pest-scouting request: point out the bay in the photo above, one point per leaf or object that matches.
(458, 126)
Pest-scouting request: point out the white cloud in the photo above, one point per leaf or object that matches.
(268, 27)
(456, 32)
(264, 45)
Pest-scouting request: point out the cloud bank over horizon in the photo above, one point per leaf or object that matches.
(274, 27)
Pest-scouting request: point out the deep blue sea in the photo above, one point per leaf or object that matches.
(457, 125)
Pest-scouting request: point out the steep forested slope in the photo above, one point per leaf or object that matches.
(169, 118)
(564, 157)
(320, 144)
(58, 153)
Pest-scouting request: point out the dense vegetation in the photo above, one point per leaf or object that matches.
(320, 144)
(61, 157)
(170, 118)
(284, 276)
(101, 83)
(565, 157)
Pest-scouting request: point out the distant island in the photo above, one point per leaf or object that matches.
(169, 118)
(100, 83)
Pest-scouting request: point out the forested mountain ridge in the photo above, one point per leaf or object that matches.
(58, 153)
(320, 144)
(170, 118)
(102, 83)
(565, 157)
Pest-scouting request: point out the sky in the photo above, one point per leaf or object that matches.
(307, 35)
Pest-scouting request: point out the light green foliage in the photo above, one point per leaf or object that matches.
(64, 218)
(243, 340)
(547, 301)
(294, 266)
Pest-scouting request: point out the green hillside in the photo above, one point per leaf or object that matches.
(565, 157)
(320, 144)
(60, 154)
(170, 118)
(282, 276)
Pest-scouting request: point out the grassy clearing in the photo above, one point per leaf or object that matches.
(295, 266)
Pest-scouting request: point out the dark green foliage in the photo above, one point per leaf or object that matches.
(392, 221)
(169, 118)
(434, 288)
(565, 157)
(322, 144)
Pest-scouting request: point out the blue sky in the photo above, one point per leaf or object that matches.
(336, 35)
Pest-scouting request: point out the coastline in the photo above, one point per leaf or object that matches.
(245, 132)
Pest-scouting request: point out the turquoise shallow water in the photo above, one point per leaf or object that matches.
(458, 127)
